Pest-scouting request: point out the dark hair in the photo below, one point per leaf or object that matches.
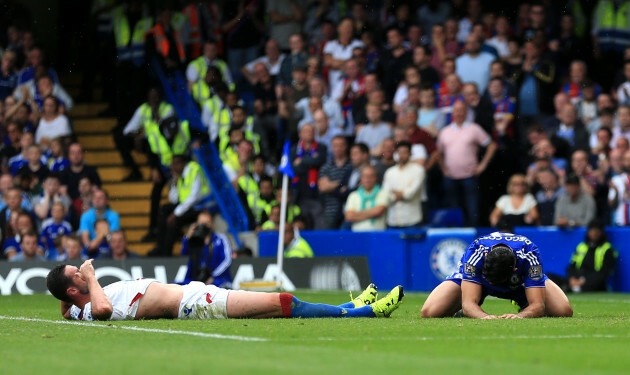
(29, 233)
(607, 130)
(362, 147)
(499, 264)
(403, 144)
(57, 283)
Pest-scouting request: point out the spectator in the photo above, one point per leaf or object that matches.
(453, 95)
(458, 144)
(21, 159)
(586, 105)
(577, 75)
(317, 89)
(78, 169)
(433, 12)
(297, 57)
(98, 247)
(593, 261)
(474, 65)
(83, 202)
(308, 156)
(324, 133)
(286, 18)
(482, 108)
(8, 76)
(189, 192)
(546, 197)
(338, 51)
(294, 245)
(57, 159)
(212, 266)
(472, 16)
(536, 78)
(72, 249)
(100, 210)
(500, 40)
(518, 207)
(422, 60)
(29, 247)
(386, 159)
(273, 221)
(412, 78)
(403, 185)
(623, 91)
(575, 207)
(333, 182)
(619, 193)
(242, 19)
(366, 207)
(504, 108)
(51, 193)
(11, 145)
(623, 130)
(272, 60)
(118, 246)
(35, 60)
(571, 129)
(54, 228)
(39, 89)
(52, 123)
(360, 158)
(349, 86)
(375, 131)
(394, 61)
(163, 42)
(20, 223)
(35, 166)
(444, 46)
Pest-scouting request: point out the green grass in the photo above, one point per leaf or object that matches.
(595, 341)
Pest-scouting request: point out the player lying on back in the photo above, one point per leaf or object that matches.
(83, 298)
(503, 265)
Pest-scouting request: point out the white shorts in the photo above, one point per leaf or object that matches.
(201, 301)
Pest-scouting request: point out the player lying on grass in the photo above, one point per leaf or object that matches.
(503, 265)
(83, 298)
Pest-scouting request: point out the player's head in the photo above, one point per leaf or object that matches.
(64, 281)
(499, 264)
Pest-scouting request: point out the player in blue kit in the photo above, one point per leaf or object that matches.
(503, 265)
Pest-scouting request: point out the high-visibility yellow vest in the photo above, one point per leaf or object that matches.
(613, 26)
(293, 210)
(185, 183)
(600, 253)
(248, 133)
(146, 114)
(202, 68)
(298, 248)
(200, 92)
(160, 147)
(229, 157)
(122, 35)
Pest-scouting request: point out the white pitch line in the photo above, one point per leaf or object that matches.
(132, 328)
(502, 337)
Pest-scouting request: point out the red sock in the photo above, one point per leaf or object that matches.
(285, 302)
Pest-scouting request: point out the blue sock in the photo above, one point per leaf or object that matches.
(300, 309)
(347, 305)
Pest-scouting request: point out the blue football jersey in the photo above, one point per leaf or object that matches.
(529, 266)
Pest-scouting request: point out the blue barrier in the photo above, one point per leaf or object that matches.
(420, 259)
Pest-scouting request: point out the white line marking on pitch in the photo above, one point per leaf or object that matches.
(132, 328)
(518, 337)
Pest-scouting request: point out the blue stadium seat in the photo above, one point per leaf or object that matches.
(448, 217)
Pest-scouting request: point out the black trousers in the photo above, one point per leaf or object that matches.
(168, 234)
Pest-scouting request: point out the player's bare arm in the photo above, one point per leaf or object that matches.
(471, 296)
(536, 308)
(101, 305)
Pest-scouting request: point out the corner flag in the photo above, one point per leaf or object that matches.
(285, 163)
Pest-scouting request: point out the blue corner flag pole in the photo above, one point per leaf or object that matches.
(287, 171)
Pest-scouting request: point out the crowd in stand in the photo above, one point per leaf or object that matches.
(394, 110)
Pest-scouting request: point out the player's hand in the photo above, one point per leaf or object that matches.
(511, 316)
(490, 317)
(86, 270)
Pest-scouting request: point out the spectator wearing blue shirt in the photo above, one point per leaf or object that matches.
(100, 210)
(35, 60)
(21, 222)
(53, 228)
(29, 247)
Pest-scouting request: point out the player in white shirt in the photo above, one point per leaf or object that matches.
(83, 298)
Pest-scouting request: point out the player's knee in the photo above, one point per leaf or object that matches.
(428, 311)
(564, 311)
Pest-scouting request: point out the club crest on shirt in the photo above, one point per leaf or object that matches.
(535, 272)
(470, 270)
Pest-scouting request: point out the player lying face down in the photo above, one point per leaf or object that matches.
(503, 265)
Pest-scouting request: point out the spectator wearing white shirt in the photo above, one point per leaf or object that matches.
(272, 60)
(338, 51)
(52, 123)
(403, 183)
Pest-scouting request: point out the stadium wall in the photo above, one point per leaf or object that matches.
(420, 259)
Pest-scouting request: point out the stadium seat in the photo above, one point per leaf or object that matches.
(448, 217)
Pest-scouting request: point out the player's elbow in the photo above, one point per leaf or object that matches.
(103, 312)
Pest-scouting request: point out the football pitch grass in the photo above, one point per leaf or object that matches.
(35, 340)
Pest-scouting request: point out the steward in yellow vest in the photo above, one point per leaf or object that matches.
(130, 44)
(593, 261)
(295, 246)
